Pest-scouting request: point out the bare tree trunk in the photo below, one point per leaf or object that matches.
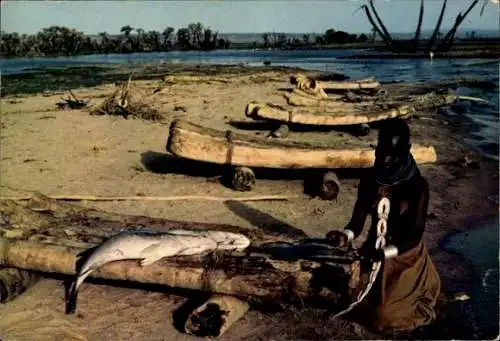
(448, 38)
(419, 26)
(436, 29)
(386, 40)
(382, 26)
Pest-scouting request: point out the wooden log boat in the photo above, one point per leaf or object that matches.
(195, 142)
(419, 101)
(344, 114)
(304, 82)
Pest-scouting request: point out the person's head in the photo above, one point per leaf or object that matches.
(393, 146)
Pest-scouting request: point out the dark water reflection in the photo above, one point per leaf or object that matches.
(479, 247)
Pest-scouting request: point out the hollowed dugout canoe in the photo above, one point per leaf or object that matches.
(191, 141)
(343, 114)
(419, 101)
(307, 82)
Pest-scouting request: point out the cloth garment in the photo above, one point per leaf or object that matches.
(406, 291)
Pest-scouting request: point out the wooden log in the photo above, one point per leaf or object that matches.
(173, 79)
(238, 276)
(308, 85)
(330, 97)
(418, 100)
(191, 141)
(364, 129)
(214, 317)
(281, 132)
(346, 114)
(304, 81)
(14, 282)
(330, 186)
(243, 179)
(51, 245)
(301, 99)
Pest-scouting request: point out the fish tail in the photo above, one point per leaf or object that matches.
(71, 299)
(73, 291)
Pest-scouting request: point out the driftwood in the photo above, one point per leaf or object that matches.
(215, 316)
(129, 101)
(347, 114)
(173, 79)
(143, 198)
(46, 236)
(191, 141)
(72, 102)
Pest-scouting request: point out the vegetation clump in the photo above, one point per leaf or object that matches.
(129, 101)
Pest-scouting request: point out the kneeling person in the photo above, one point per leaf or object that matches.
(405, 292)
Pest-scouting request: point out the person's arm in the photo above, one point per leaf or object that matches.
(355, 226)
(360, 211)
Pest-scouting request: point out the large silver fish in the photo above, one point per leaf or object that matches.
(149, 247)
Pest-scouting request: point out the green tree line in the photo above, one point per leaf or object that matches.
(58, 40)
(330, 37)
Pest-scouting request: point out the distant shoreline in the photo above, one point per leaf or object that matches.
(466, 48)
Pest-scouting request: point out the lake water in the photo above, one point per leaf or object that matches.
(481, 120)
(479, 247)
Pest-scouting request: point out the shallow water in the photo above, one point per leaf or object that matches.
(479, 247)
(481, 120)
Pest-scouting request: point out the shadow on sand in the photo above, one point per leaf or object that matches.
(163, 163)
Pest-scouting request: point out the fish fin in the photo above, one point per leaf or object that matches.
(151, 254)
(150, 260)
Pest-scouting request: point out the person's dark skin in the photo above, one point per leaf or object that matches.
(409, 199)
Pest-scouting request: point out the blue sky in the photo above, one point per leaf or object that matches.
(234, 16)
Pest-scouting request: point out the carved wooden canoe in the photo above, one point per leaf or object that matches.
(332, 115)
(191, 141)
(306, 82)
(420, 101)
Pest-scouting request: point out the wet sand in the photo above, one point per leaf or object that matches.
(61, 152)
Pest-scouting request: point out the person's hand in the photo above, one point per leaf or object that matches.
(337, 238)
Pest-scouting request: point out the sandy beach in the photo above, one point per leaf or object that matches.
(69, 152)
